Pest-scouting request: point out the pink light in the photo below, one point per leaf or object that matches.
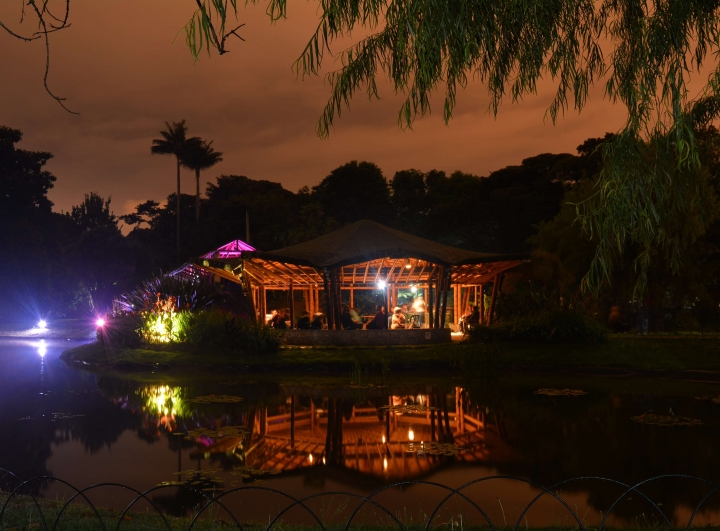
(100, 323)
(234, 249)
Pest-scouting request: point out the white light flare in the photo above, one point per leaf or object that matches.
(100, 322)
(42, 324)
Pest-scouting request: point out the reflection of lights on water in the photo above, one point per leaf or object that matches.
(411, 435)
(100, 322)
(381, 284)
(383, 439)
(42, 348)
(384, 463)
(310, 458)
(42, 324)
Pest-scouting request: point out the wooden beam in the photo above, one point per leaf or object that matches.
(328, 300)
(492, 300)
(292, 306)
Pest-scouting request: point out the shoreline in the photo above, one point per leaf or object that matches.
(687, 359)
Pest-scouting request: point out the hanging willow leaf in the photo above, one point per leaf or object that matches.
(644, 51)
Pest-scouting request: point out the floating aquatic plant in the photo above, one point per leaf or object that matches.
(408, 408)
(216, 399)
(560, 392)
(665, 420)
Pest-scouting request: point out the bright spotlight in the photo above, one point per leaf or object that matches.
(381, 284)
(100, 322)
(42, 323)
(414, 289)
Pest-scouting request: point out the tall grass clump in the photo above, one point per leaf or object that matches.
(559, 326)
(222, 331)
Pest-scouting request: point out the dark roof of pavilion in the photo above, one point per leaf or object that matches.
(368, 240)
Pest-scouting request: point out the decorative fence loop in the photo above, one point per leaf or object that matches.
(12, 487)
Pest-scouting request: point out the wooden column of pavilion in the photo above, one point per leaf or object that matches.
(433, 281)
(364, 256)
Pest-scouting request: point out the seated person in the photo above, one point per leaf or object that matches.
(380, 321)
(398, 319)
(317, 322)
(347, 322)
(304, 321)
(356, 317)
(278, 320)
(471, 320)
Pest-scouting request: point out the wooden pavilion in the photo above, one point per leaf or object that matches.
(366, 256)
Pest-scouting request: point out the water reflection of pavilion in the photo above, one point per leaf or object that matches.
(364, 438)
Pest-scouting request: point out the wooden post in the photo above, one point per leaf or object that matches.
(352, 297)
(438, 295)
(250, 294)
(338, 295)
(292, 421)
(492, 299)
(312, 415)
(430, 303)
(328, 300)
(292, 306)
(481, 302)
(448, 280)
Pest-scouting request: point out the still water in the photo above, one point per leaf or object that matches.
(305, 436)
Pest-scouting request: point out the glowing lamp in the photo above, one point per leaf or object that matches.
(411, 435)
(381, 284)
(100, 322)
(383, 439)
(384, 463)
(310, 458)
(413, 289)
(42, 323)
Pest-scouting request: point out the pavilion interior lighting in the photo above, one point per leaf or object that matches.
(408, 265)
(384, 463)
(381, 284)
(383, 439)
(411, 434)
(310, 458)
(413, 289)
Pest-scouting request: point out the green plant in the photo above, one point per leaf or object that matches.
(122, 331)
(223, 331)
(560, 326)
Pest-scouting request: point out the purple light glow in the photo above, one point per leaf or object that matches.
(100, 323)
(234, 249)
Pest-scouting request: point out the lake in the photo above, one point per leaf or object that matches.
(304, 435)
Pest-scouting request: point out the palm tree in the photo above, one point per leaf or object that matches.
(174, 141)
(199, 156)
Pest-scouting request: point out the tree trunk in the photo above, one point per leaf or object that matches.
(177, 206)
(197, 195)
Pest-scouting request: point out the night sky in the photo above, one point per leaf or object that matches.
(118, 67)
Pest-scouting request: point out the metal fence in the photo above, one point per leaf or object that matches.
(23, 508)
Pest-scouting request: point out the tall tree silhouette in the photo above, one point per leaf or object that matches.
(174, 141)
(199, 155)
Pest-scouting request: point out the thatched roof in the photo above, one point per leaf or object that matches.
(366, 240)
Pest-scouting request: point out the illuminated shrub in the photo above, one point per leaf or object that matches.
(224, 332)
(162, 327)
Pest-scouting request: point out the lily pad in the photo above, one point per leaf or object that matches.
(652, 419)
(560, 392)
(409, 408)
(226, 431)
(433, 448)
(216, 399)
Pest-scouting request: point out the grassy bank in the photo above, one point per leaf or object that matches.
(618, 354)
(25, 512)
